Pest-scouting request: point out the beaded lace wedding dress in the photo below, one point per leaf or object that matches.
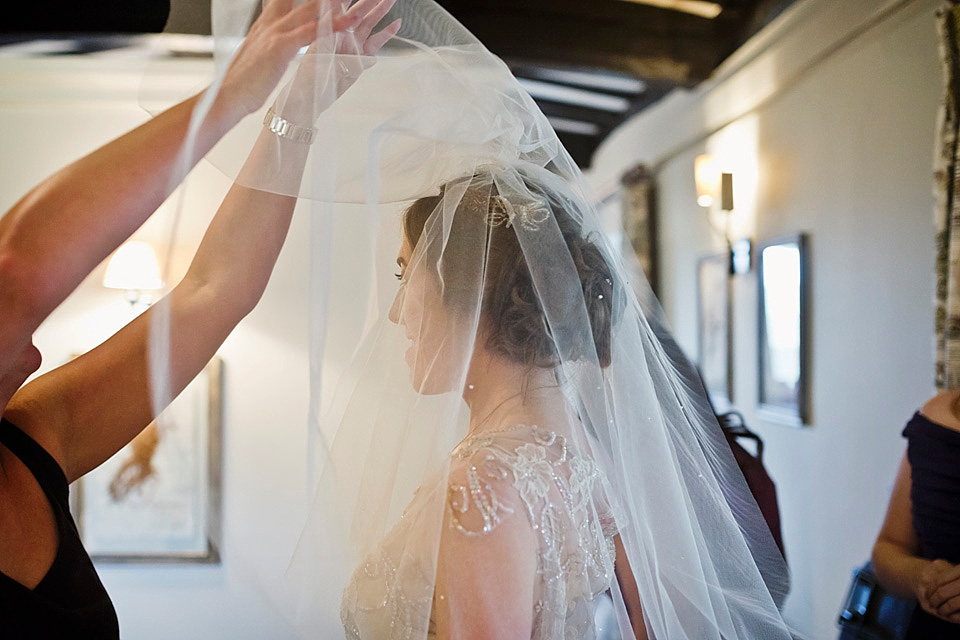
(525, 477)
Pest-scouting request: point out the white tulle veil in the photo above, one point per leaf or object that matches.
(434, 118)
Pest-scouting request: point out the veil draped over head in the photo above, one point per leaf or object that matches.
(515, 430)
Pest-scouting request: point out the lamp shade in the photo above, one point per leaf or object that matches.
(707, 177)
(133, 267)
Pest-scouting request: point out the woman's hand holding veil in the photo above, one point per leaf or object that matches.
(274, 38)
(343, 46)
(362, 42)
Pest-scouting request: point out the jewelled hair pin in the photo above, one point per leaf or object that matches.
(503, 213)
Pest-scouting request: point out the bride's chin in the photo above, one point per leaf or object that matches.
(429, 384)
(432, 381)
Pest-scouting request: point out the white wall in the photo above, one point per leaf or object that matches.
(52, 111)
(827, 121)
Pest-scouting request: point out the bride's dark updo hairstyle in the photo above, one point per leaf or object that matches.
(512, 319)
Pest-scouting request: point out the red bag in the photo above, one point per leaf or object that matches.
(758, 480)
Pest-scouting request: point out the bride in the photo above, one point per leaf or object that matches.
(527, 531)
(509, 302)
(514, 436)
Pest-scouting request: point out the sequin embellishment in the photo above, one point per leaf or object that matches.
(495, 476)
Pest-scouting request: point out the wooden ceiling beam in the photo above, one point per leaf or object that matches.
(635, 39)
(561, 42)
(614, 11)
(579, 147)
(603, 119)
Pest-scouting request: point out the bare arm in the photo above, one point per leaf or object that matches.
(486, 575)
(57, 233)
(895, 558)
(86, 410)
(629, 590)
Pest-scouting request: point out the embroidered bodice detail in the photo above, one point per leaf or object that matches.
(523, 472)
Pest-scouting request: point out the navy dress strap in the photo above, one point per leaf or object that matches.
(41, 464)
(70, 601)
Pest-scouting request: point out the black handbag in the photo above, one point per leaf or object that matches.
(871, 612)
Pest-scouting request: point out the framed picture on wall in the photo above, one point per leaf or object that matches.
(783, 330)
(640, 220)
(713, 326)
(158, 498)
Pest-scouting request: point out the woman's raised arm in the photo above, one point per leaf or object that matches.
(88, 409)
(65, 226)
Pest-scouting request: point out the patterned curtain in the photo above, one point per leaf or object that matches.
(947, 214)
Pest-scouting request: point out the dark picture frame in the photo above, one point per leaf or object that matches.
(713, 327)
(640, 220)
(783, 329)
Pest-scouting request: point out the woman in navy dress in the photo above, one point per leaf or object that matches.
(917, 554)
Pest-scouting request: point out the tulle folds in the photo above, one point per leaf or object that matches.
(507, 438)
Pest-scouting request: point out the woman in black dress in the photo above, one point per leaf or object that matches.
(917, 554)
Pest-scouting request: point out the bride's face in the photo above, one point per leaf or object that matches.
(418, 308)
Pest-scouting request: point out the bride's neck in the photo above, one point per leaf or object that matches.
(499, 391)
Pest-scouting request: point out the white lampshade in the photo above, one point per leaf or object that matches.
(707, 177)
(133, 267)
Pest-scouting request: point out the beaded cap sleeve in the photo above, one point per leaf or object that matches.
(505, 490)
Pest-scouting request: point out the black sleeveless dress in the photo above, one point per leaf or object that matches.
(70, 602)
(934, 454)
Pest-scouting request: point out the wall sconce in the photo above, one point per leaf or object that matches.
(713, 184)
(134, 269)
